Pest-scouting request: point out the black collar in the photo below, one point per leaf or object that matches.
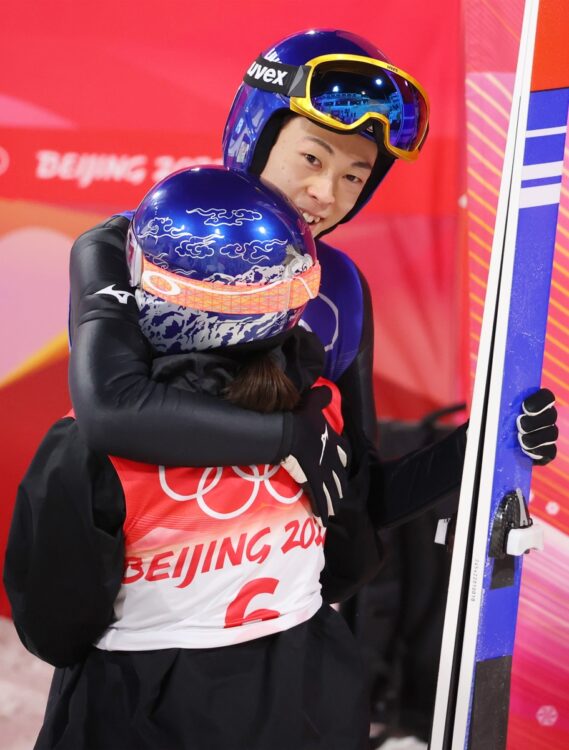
(299, 353)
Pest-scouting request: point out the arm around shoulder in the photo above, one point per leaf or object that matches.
(119, 408)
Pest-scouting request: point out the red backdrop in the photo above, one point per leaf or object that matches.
(98, 100)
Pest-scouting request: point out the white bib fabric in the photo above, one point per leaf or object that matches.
(214, 556)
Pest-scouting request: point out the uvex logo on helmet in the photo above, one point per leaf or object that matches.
(267, 73)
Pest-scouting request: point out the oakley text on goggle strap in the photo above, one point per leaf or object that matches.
(241, 299)
(347, 93)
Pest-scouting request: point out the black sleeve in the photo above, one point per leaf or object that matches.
(419, 481)
(352, 549)
(404, 488)
(119, 409)
(64, 558)
(356, 383)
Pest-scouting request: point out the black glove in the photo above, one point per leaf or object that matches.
(537, 431)
(318, 456)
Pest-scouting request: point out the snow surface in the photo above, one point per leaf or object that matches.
(24, 685)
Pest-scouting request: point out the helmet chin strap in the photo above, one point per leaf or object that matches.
(268, 138)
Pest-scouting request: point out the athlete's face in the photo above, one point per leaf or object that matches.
(321, 172)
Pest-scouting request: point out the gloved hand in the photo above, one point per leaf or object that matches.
(537, 431)
(319, 455)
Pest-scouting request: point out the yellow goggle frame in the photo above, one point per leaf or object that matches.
(302, 105)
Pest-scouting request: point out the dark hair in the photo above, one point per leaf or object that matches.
(262, 385)
(268, 138)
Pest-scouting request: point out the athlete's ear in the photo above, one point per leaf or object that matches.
(537, 428)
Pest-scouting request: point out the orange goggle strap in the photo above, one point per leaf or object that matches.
(241, 299)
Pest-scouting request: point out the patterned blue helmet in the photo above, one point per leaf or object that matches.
(218, 258)
(340, 81)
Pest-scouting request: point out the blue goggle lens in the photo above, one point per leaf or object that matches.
(348, 95)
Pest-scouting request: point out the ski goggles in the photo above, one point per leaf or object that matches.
(349, 94)
(218, 297)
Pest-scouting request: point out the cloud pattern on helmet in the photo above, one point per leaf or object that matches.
(175, 329)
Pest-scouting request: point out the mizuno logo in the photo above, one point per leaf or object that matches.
(267, 74)
(324, 439)
(121, 296)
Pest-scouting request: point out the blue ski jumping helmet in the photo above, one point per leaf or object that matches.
(218, 258)
(340, 81)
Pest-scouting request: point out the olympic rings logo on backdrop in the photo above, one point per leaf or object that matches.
(207, 483)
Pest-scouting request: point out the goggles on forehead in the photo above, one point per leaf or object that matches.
(349, 94)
